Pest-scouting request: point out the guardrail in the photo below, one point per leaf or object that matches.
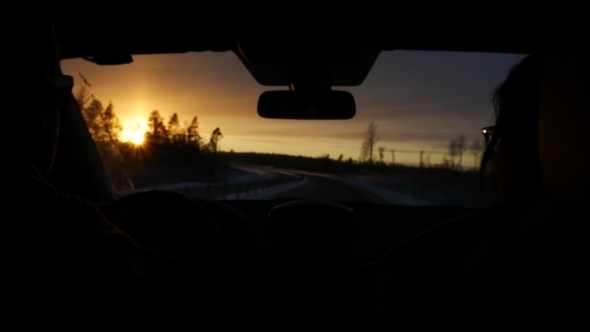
(237, 190)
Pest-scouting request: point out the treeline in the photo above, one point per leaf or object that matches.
(169, 152)
(452, 159)
(326, 164)
(173, 134)
(447, 183)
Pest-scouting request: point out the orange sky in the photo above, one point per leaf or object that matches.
(419, 101)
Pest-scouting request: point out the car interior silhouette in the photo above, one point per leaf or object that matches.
(306, 263)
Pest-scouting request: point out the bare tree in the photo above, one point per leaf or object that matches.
(446, 162)
(421, 158)
(452, 153)
(369, 142)
(476, 150)
(381, 150)
(456, 149)
(364, 152)
(460, 150)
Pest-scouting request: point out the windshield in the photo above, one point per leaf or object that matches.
(188, 123)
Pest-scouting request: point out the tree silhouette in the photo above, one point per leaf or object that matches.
(112, 127)
(83, 98)
(216, 136)
(369, 142)
(452, 153)
(476, 150)
(421, 158)
(173, 129)
(460, 150)
(104, 128)
(381, 150)
(157, 132)
(102, 123)
(91, 115)
(456, 149)
(166, 158)
(193, 132)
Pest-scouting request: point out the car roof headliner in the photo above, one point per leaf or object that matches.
(301, 33)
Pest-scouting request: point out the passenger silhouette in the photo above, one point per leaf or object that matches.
(471, 273)
(64, 266)
(512, 151)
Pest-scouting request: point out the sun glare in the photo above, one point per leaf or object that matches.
(136, 138)
(134, 134)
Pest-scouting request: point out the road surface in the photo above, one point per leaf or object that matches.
(319, 186)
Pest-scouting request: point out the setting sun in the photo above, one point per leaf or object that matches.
(134, 133)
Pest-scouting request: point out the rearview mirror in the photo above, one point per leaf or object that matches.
(307, 105)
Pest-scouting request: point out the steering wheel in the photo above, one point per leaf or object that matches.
(166, 222)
